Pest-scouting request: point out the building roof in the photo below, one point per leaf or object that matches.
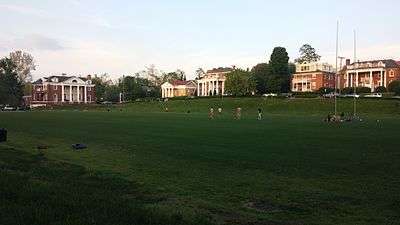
(389, 63)
(182, 82)
(60, 79)
(398, 63)
(178, 82)
(220, 70)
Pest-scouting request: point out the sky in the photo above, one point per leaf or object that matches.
(121, 37)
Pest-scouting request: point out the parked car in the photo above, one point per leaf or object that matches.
(286, 95)
(330, 95)
(8, 108)
(270, 95)
(351, 96)
(374, 95)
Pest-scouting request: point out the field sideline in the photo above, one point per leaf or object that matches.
(289, 168)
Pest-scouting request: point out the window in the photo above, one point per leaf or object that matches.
(55, 98)
(391, 73)
(89, 88)
(55, 87)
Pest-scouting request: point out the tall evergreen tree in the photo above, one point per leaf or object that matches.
(278, 79)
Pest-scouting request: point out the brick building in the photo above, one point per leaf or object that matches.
(370, 74)
(310, 77)
(55, 90)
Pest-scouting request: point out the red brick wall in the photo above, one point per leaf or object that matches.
(51, 92)
(396, 75)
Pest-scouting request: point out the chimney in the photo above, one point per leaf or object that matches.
(89, 77)
(347, 62)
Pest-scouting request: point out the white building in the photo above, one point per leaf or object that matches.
(178, 88)
(213, 83)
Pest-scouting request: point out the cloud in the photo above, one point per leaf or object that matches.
(23, 9)
(33, 42)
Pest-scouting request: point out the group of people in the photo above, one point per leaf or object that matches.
(341, 118)
(237, 114)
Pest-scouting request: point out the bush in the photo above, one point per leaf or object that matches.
(363, 90)
(305, 94)
(326, 90)
(394, 87)
(359, 90)
(380, 89)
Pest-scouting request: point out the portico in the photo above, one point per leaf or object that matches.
(371, 78)
(213, 83)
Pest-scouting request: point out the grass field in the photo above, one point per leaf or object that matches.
(146, 166)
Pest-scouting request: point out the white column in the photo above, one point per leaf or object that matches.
(85, 94)
(217, 87)
(198, 89)
(62, 93)
(356, 79)
(223, 88)
(371, 81)
(383, 79)
(351, 80)
(78, 93)
(203, 89)
(70, 94)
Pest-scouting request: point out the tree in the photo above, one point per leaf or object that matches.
(101, 83)
(171, 76)
(307, 54)
(200, 73)
(380, 89)
(112, 93)
(24, 63)
(11, 87)
(260, 73)
(240, 83)
(394, 86)
(278, 76)
(181, 74)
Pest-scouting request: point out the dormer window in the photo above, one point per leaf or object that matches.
(74, 81)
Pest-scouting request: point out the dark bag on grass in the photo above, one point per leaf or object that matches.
(3, 135)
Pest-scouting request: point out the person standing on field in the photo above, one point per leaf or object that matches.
(259, 114)
(238, 113)
(211, 114)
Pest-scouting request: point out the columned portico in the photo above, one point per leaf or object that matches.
(371, 78)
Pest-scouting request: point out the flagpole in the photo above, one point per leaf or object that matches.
(336, 72)
(355, 89)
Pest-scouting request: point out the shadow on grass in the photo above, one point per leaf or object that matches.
(35, 190)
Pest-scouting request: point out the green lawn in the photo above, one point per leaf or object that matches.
(290, 168)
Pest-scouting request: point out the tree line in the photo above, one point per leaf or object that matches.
(270, 77)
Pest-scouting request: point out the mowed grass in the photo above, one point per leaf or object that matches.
(289, 168)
